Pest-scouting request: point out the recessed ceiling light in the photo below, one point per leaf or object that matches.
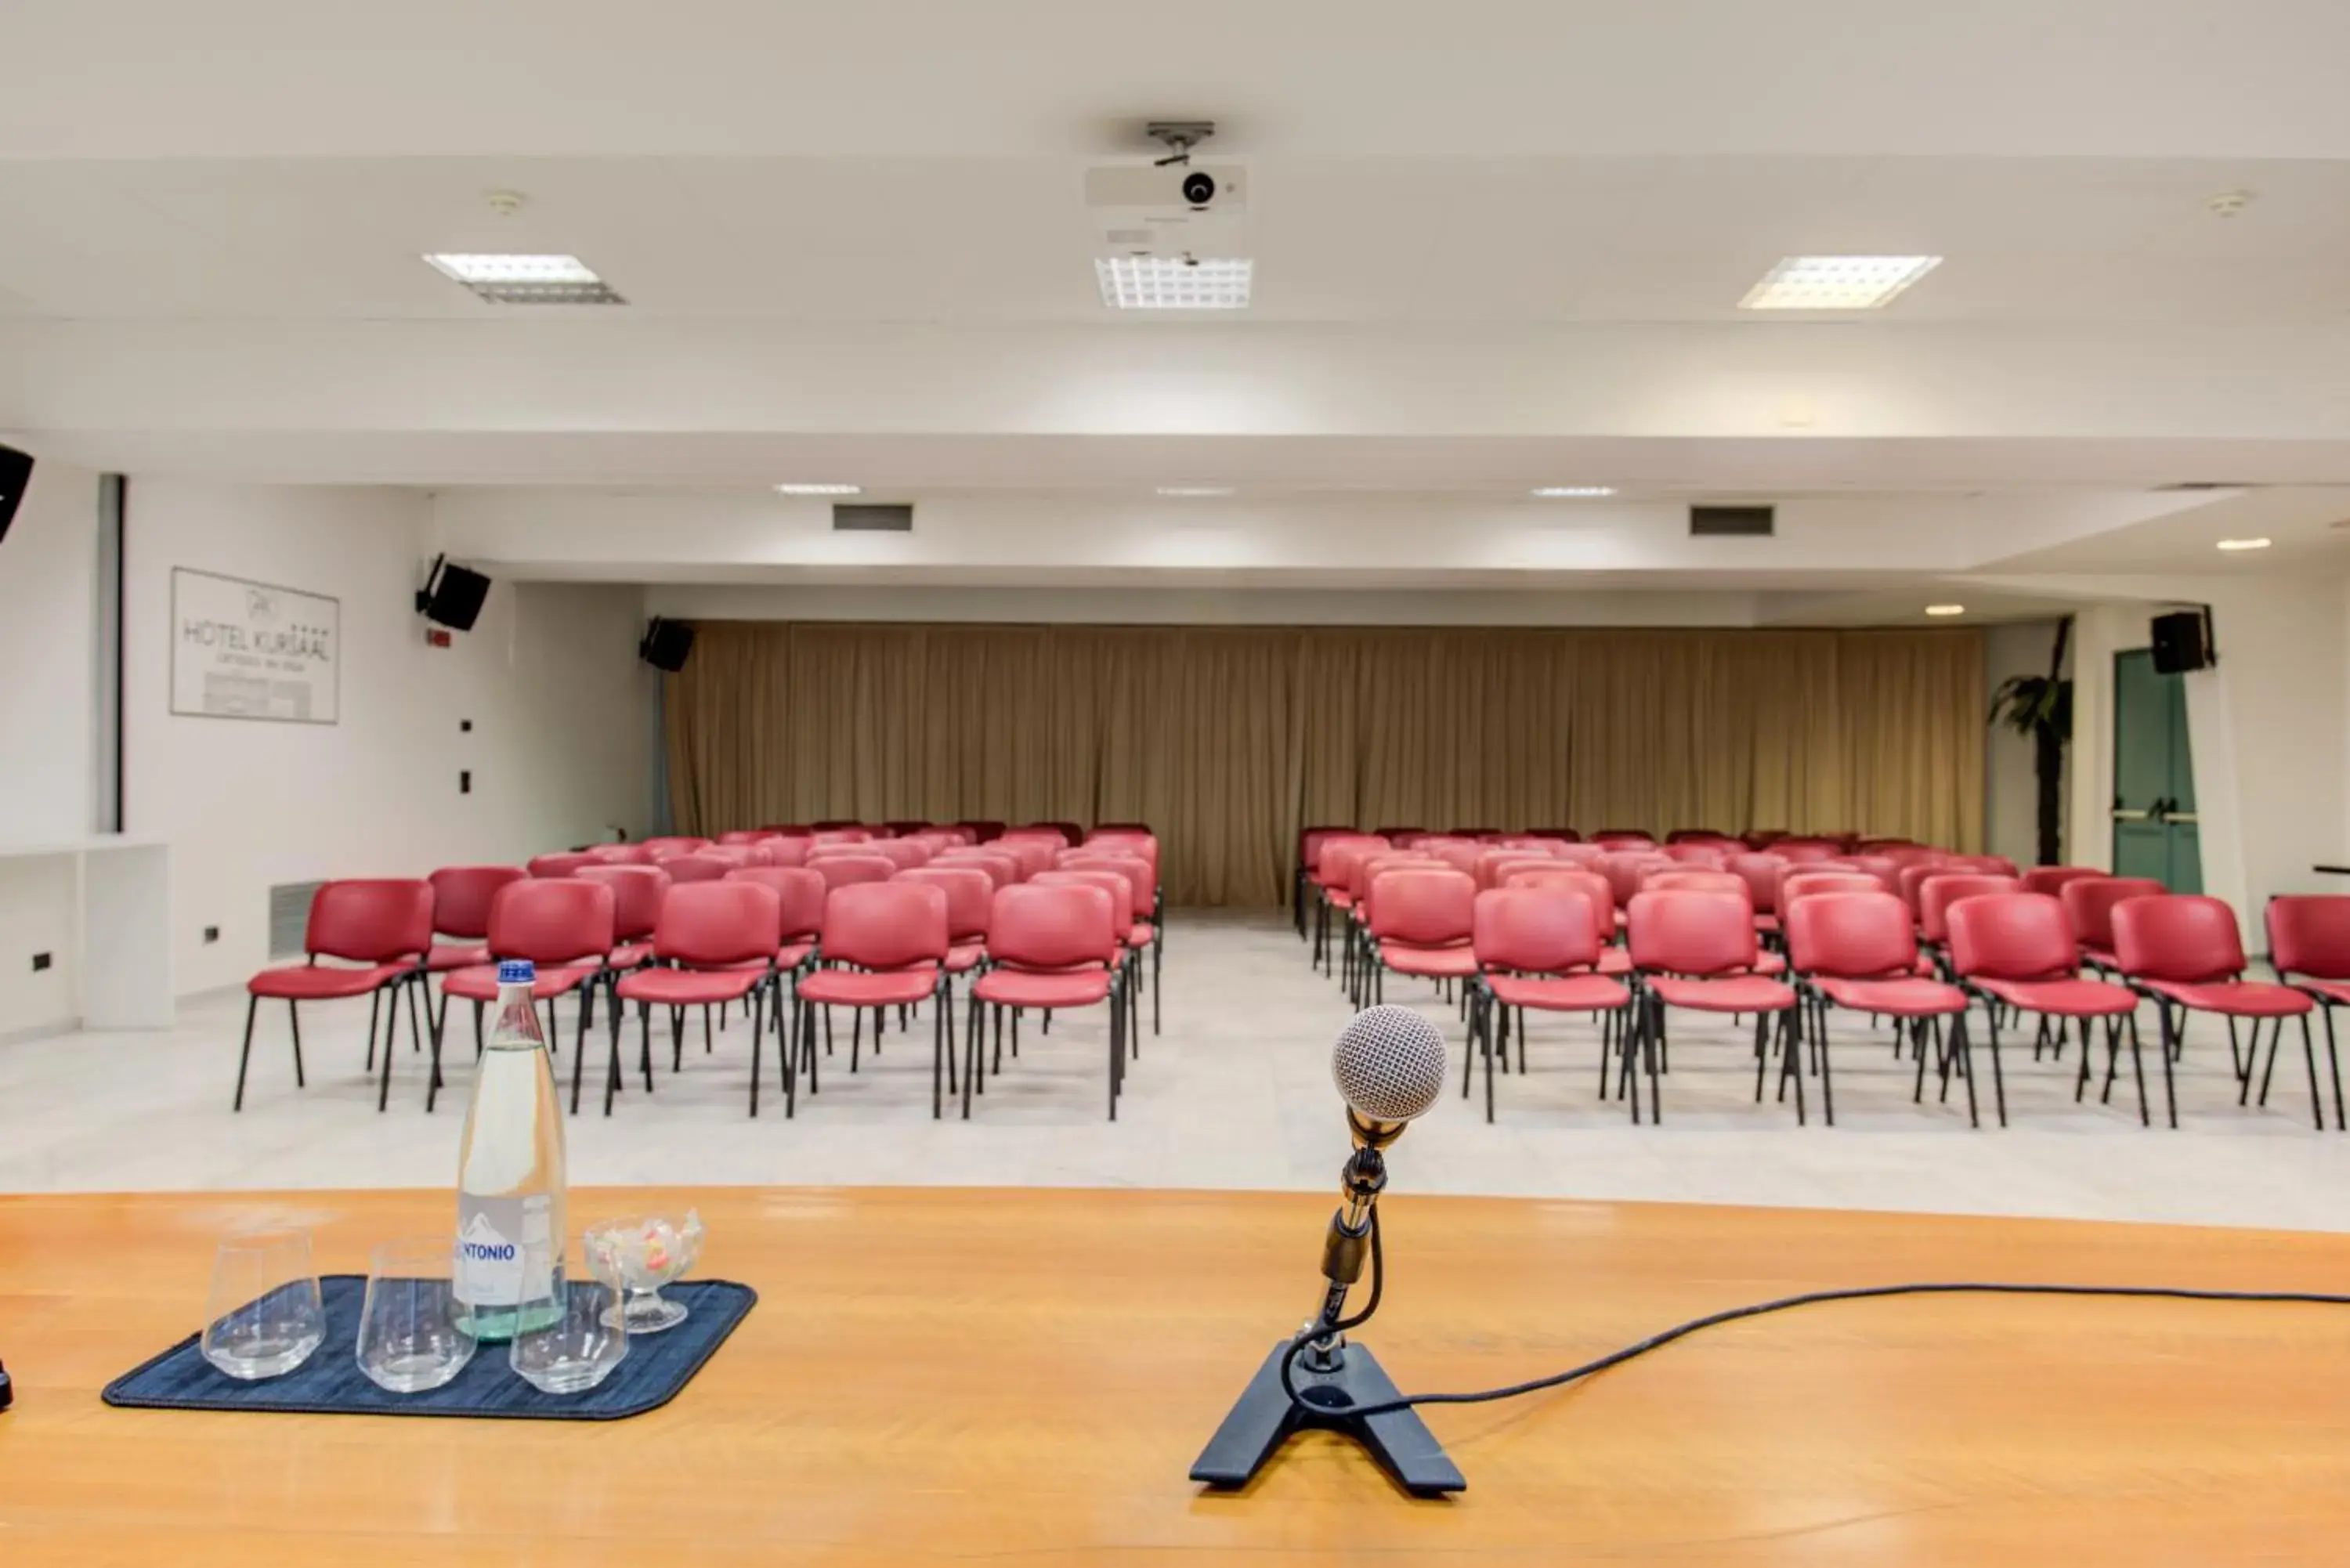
(1835, 283)
(2243, 544)
(1173, 283)
(528, 279)
(1945, 610)
(819, 489)
(1571, 492)
(1195, 491)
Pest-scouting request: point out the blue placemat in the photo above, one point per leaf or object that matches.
(331, 1383)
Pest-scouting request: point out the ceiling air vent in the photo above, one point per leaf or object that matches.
(1733, 522)
(866, 517)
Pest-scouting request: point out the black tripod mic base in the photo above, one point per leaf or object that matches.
(1264, 1418)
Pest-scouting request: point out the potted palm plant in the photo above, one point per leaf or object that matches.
(2040, 706)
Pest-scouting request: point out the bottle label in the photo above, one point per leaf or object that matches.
(505, 1254)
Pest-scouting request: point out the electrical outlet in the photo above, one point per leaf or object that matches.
(466, 782)
(212, 934)
(40, 963)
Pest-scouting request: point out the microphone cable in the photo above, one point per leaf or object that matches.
(1732, 1314)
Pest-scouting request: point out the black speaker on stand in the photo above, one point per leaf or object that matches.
(2183, 642)
(667, 645)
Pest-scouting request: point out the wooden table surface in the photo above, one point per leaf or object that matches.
(1024, 1376)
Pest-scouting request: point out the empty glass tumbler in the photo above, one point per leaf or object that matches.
(411, 1332)
(565, 1345)
(265, 1317)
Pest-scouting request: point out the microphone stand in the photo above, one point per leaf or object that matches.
(1333, 1376)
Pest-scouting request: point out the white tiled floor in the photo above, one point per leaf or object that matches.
(1236, 1093)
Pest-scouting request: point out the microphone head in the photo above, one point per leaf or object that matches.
(1389, 1064)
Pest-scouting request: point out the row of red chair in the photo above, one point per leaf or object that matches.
(702, 929)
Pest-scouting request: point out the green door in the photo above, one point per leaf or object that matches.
(2154, 776)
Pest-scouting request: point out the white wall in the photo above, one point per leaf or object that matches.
(48, 603)
(560, 709)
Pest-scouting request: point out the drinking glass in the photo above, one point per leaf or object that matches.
(564, 1345)
(409, 1337)
(264, 1317)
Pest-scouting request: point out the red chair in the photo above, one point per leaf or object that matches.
(1884, 867)
(637, 895)
(622, 855)
(1697, 854)
(1034, 855)
(2309, 945)
(675, 844)
(1493, 863)
(790, 830)
(1622, 838)
(1624, 873)
(2017, 950)
(1799, 881)
(562, 865)
(1556, 834)
(1396, 835)
(1760, 874)
(385, 926)
(1987, 865)
(1910, 879)
(1801, 850)
(1310, 841)
(1537, 946)
(1068, 833)
(1002, 870)
(787, 851)
(1698, 951)
(844, 833)
(1599, 898)
(971, 895)
(684, 869)
(2184, 952)
(1696, 880)
(2089, 903)
(564, 926)
(906, 829)
(901, 853)
(1147, 930)
(1330, 874)
(799, 894)
(1051, 946)
(852, 870)
(1762, 838)
(2050, 879)
(1936, 895)
(713, 944)
(891, 942)
(461, 908)
(1420, 924)
(1354, 975)
(744, 835)
(1857, 950)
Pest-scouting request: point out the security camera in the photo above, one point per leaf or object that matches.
(1198, 189)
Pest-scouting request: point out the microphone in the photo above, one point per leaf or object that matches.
(1389, 1064)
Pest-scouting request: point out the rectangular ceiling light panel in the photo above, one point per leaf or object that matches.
(1173, 283)
(528, 279)
(1835, 283)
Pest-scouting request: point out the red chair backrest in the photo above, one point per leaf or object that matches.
(1523, 841)
(1692, 933)
(902, 853)
(1884, 867)
(1491, 864)
(2050, 879)
(552, 920)
(843, 835)
(1597, 895)
(1761, 874)
(714, 924)
(1622, 838)
(1462, 854)
(790, 830)
(1061, 835)
(1851, 936)
(637, 895)
(2183, 938)
(1133, 867)
(787, 851)
(1805, 850)
(1003, 870)
(1762, 838)
(887, 925)
(1913, 876)
(1626, 872)
(1799, 882)
(1556, 834)
(622, 855)
(1367, 871)
(799, 898)
(2309, 934)
(1117, 884)
(1034, 855)
(1937, 894)
(850, 871)
(1696, 881)
(560, 865)
(1905, 856)
(1698, 854)
(2089, 905)
(744, 835)
(1431, 908)
(1535, 929)
(461, 895)
(675, 844)
(2012, 936)
(370, 919)
(1991, 864)
(902, 829)
(969, 891)
(1578, 853)
(1311, 840)
(683, 868)
(1053, 926)
(734, 853)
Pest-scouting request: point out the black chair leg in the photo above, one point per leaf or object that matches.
(2309, 1055)
(294, 1023)
(2169, 1048)
(375, 1000)
(244, 1056)
(391, 1033)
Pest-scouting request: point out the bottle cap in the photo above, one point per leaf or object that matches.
(515, 971)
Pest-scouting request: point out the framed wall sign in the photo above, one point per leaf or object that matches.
(243, 649)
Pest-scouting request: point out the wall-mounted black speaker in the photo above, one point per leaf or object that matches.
(452, 595)
(16, 475)
(666, 644)
(2182, 642)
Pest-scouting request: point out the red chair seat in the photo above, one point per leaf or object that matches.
(2237, 998)
(966, 958)
(318, 983)
(2064, 998)
(1341, 899)
(688, 987)
(2333, 993)
(480, 984)
(628, 955)
(1024, 988)
(1896, 998)
(2101, 957)
(446, 956)
(1766, 922)
(1142, 936)
(1769, 963)
(856, 988)
(1615, 961)
(1735, 993)
(794, 954)
(1563, 993)
(1432, 963)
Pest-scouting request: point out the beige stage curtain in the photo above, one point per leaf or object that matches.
(1227, 739)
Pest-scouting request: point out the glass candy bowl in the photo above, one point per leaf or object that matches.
(638, 1257)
